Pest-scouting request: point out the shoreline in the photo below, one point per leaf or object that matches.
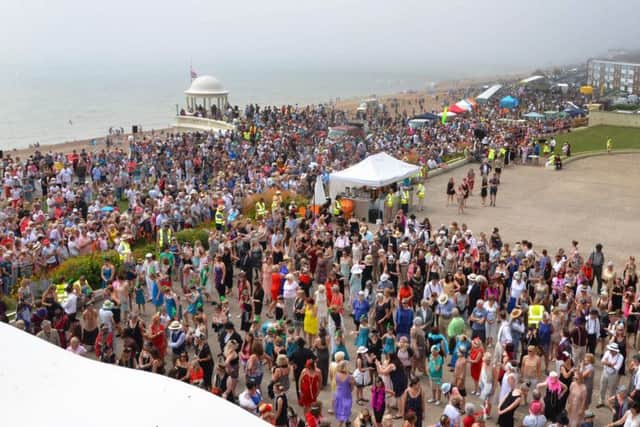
(407, 101)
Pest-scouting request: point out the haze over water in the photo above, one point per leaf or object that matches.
(119, 63)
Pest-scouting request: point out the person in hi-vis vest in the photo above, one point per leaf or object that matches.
(420, 194)
(404, 200)
(261, 209)
(164, 236)
(388, 206)
(219, 218)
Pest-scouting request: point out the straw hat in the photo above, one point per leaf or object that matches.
(443, 299)
(175, 325)
(516, 313)
(108, 305)
(613, 347)
(362, 350)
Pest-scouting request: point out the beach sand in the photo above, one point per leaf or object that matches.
(87, 144)
(444, 93)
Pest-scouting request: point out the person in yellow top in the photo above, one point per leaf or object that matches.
(404, 200)
(164, 235)
(124, 248)
(388, 206)
(276, 201)
(261, 209)
(491, 155)
(219, 218)
(420, 193)
(609, 145)
(337, 207)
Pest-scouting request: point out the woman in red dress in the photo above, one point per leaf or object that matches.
(309, 385)
(157, 335)
(475, 358)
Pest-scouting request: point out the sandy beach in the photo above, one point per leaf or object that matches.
(443, 93)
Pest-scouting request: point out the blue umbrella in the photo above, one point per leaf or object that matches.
(509, 102)
(107, 209)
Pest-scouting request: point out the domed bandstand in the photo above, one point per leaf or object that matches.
(206, 102)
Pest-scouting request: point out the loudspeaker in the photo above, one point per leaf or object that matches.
(134, 129)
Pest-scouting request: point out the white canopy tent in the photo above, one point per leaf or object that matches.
(376, 170)
(45, 385)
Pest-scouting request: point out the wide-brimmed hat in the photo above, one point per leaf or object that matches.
(175, 325)
(472, 277)
(356, 269)
(613, 347)
(108, 305)
(516, 313)
(362, 350)
(443, 298)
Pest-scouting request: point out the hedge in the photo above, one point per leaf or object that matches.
(85, 265)
(192, 234)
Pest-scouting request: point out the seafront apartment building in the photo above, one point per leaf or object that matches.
(614, 75)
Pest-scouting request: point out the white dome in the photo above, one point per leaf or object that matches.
(206, 85)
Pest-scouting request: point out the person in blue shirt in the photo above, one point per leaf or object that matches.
(360, 309)
(404, 319)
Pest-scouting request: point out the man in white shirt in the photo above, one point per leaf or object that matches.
(105, 315)
(593, 330)
(70, 306)
(611, 363)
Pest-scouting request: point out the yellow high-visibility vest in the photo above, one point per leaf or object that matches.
(126, 249)
(503, 152)
(337, 207)
(61, 292)
(609, 144)
(161, 236)
(275, 204)
(404, 197)
(389, 200)
(219, 217)
(535, 314)
(260, 209)
(420, 191)
(492, 154)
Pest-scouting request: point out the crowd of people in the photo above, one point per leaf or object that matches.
(393, 319)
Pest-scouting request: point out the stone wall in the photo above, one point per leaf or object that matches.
(614, 119)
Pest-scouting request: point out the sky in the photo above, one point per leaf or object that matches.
(488, 35)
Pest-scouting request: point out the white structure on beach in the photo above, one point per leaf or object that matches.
(205, 95)
(209, 91)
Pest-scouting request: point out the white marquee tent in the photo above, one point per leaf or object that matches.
(44, 385)
(376, 170)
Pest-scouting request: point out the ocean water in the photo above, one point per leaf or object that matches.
(58, 104)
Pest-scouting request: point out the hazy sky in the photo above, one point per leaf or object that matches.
(296, 33)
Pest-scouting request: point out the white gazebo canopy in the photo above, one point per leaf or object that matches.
(45, 385)
(206, 91)
(376, 170)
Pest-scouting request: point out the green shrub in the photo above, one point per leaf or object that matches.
(85, 265)
(192, 234)
(142, 248)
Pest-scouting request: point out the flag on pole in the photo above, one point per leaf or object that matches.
(444, 115)
(194, 75)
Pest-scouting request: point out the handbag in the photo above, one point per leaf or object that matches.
(361, 378)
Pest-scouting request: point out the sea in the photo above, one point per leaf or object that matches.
(55, 104)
